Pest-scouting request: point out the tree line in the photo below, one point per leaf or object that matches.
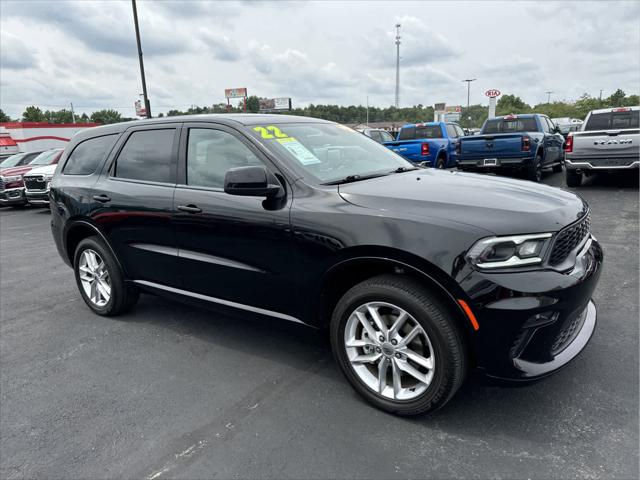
(471, 117)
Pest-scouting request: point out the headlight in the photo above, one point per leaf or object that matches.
(505, 252)
(12, 178)
(48, 177)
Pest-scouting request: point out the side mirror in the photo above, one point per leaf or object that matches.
(250, 182)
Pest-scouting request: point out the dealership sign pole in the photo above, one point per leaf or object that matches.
(493, 94)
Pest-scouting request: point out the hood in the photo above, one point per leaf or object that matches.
(15, 170)
(46, 170)
(500, 205)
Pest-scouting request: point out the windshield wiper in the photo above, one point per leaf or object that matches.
(403, 169)
(355, 178)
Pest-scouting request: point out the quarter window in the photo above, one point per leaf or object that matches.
(211, 153)
(86, 157)
(147, 156)
(451, 131)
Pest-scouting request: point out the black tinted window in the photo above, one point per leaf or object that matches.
(147, 156)
(86, 157)
(510, 125)
(613, 120)
(211, 153)
(430, 131)
(407, 133)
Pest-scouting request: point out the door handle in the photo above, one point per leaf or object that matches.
(190, 208)
(102, 198)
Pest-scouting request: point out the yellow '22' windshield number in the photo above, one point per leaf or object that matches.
(270, 132)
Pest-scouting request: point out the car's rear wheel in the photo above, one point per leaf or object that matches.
(534, 171)
(573, 178)
(398, 345)
(441, 164)
(100, 280)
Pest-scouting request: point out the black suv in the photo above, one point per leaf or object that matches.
(420, 274)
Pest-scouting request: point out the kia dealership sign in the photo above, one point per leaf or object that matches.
(492, 93)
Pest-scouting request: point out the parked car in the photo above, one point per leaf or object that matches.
(420, 274)
(514, 143)
(12, 183)
(607, 142)
(36, 184)
(18, 159)
(567, 124)
(433, 144)
(378, 134)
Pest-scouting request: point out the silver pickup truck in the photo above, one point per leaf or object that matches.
(608, 140)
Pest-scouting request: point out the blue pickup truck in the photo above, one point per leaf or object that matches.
(434, 144)
(514, 143)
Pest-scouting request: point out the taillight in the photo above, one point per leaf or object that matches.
(425, 149)
(623, 109)
(568, 146)
(526, 144)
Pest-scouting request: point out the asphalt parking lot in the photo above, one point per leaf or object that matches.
(171, 391)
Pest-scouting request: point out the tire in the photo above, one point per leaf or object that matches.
(557, 168)
(103, 270)
(534, 171)
(573, 178)
(439, 341)
(440, 163)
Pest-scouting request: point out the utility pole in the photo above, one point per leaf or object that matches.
(469, 80)
(367, 110)
(548, 97)
(600, 95)
(398, 65)
(147, 105)
(73, 117)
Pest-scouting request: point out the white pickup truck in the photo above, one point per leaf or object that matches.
(608, 140)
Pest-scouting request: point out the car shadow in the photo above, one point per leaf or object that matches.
(480, 405)
(629, 180)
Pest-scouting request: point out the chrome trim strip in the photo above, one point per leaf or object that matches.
(220, 301)
(198, 257)
(590, 166)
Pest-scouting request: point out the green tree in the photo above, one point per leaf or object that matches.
(60, 116)
(106, 116)
(511, 104)
(474, 116)
(253, 104)
(4, 117)
(617, 99)
(33, 114)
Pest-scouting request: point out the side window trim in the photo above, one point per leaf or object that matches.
(184, 143)
(117, 150)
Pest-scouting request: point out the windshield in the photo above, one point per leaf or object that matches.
(45, 158)
(613, 120)
(13, 160)
(326, 153)
(510, 125)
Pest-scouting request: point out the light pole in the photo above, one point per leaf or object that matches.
(398, 65)
(469, 80)
(367, 110)
(147, 105)
(548, 97)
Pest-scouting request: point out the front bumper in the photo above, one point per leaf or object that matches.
(608, 163)
(38, 197)
(13, 196)
(534, 323)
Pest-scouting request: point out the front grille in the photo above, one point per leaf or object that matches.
(35, 183)
(568, 333)
(1, 184)
(568, 239)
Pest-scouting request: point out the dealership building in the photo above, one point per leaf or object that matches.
(18, 137)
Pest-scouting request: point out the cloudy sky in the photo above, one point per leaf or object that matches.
(57, 52)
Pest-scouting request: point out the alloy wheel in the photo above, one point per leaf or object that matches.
(94, 277)
(389, 351)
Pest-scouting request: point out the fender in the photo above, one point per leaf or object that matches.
(90, 225)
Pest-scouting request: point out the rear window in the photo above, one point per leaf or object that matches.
(86, 157)
(613, 120)
(502, 125)
(425, 131)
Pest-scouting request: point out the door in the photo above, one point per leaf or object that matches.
(553, 142)
(132, 203)
(232, 248)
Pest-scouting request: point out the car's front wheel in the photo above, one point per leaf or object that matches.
(398, 345)
(100, 279)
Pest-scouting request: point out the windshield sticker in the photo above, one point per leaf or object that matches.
(299, 151)
(270, 132)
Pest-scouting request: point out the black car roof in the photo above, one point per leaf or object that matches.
(245, 119)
